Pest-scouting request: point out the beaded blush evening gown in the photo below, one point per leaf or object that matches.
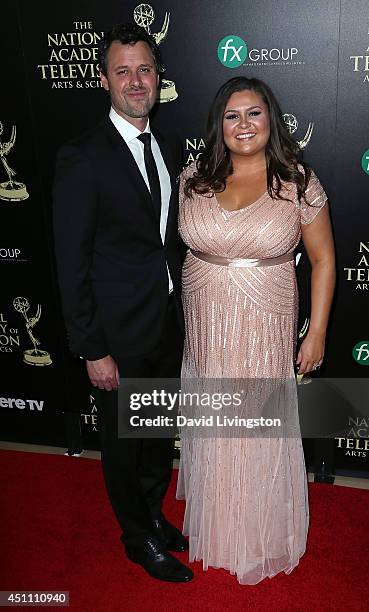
(246, 497)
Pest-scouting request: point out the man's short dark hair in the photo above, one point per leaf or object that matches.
(126, 34)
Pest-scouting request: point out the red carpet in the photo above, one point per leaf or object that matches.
(58, 533)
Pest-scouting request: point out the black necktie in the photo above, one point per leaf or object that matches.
(152, 173)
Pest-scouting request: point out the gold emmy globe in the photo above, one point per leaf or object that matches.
(10, 191)
(144, 16)
(292, 125)
(34, 356)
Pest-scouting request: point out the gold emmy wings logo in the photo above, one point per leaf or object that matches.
(35, 356)
(144, 16)
(10, 190)
(292, 125)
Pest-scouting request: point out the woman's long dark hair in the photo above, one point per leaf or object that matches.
(283, 154)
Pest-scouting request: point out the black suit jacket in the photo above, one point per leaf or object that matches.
(110, 256)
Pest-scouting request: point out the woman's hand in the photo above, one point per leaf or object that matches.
(311, 353)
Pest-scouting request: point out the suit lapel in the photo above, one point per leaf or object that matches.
(128, 164)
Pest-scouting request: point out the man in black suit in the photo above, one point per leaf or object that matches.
(119, 266)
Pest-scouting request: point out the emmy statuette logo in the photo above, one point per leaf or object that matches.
(35, 356)
(144, 16)
(292, 125)
(10, 190)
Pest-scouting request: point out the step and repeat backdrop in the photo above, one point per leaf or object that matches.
(315, 56)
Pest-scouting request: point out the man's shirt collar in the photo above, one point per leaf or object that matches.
(128, 131)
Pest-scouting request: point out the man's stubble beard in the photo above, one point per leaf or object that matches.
(143, 109)
(137, 113)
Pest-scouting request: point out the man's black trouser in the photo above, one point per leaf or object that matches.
(137, 471)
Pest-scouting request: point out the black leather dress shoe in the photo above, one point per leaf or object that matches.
(167, 533)
(156, 560)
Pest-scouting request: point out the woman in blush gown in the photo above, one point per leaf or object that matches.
(243, 208)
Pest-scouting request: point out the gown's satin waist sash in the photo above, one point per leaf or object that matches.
(242, 263)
